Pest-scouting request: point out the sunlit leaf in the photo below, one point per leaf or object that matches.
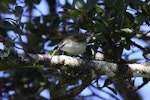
(127, 30)
(79, 4)
(100, 9)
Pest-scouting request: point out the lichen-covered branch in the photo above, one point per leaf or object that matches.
(103, 67)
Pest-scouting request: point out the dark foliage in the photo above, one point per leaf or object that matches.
(113, 23)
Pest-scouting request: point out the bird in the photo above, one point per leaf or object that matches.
(73, 45)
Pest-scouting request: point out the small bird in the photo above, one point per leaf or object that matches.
(73, 45)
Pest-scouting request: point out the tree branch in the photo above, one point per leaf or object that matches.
(103, 67)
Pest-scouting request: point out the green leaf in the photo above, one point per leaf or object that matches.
(127, 46)
(18, 10)
(123, 39)
(91, 4)
(111, 20)
(127, 30)
(140, 19)
(79, 4)
(6, 25)
(74, 14)
(129, 19)
(86, 7)
(99, 9)
(33, 1)
(146, 8)
(37, 1)
(58, 88)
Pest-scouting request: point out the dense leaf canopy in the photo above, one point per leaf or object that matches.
(25, 29)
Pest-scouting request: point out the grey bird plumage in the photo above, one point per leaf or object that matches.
(73, 45)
